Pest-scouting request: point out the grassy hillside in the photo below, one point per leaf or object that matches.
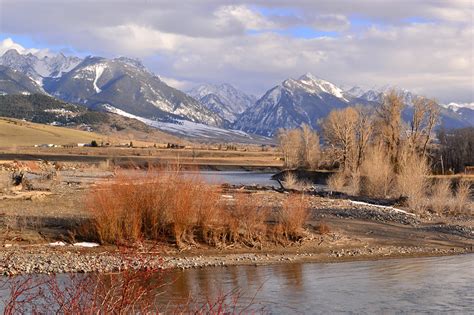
(20, 133)
(44, 109)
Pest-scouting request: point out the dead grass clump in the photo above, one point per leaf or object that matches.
(441, 196)
(337, 181)
(292, 182)
(291, 217)
(377, 175)
(323, 228)
(412, 180)
(462, 201)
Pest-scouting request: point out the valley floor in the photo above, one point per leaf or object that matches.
(30, 220)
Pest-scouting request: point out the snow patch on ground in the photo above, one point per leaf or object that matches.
(188, 128)
(86, 244)
(360, 203)
(57, 244)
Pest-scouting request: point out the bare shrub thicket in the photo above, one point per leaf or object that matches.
(160, 204)
(292, 216)
(441, 196)
(412, 179)
(173, 206)
(292, 182)
(247, 220)
(337, 181)
(444, 200)
(462, 203)
(377, 175)
(300, 147)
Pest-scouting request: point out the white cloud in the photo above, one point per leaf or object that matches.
(426, 45)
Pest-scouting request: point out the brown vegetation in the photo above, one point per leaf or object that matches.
(300, 147)
(173, 206)
(292, 216)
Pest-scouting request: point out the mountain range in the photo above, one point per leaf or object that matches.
(208, 112)
(223, 99)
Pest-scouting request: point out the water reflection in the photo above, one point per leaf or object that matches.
(440, 284)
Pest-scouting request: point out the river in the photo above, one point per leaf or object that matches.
(236, 177)
(414, 285)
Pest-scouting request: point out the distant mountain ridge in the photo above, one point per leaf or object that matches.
(16, 82)
(224, 99)
(39, 68)
(126, 84)
(126, 87)
(292, 103)
(309, 99)
(95, 81)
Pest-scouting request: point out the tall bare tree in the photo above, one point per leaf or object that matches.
(300, 147)
(424, 120)
(291, 145)
(311, 147)
(363, 133)
(339, 127)
(389, 123)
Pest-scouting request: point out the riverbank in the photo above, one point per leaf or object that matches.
(37, 232)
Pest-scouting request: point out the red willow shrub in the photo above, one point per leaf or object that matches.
(172, 205)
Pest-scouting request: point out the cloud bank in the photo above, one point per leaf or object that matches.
(425, 46)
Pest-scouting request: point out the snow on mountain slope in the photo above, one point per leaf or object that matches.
(457, 106)
(16, 82)
(127, 85)
(451, 116)
(376, 94)
(195, 131)
(39, 68)
(292, 103)
(223, 99)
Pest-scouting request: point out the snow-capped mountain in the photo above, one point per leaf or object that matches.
(39, 68)
(458, 106)
(15, 82)
(127, 85)
(223, 99)
(452, 115)
(376, 94)
(292, 103)
(465, 110)
(309, 99)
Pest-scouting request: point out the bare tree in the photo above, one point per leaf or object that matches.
(300, 147)
(389, 124)
(311, 147)
(291, 145)
(424, 120)
(339, 133)
(363, 133)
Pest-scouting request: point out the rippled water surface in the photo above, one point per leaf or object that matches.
(440, 285)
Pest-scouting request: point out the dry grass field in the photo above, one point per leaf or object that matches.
(15, 133)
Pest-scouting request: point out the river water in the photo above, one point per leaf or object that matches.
(236, 177)
(414, 285)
